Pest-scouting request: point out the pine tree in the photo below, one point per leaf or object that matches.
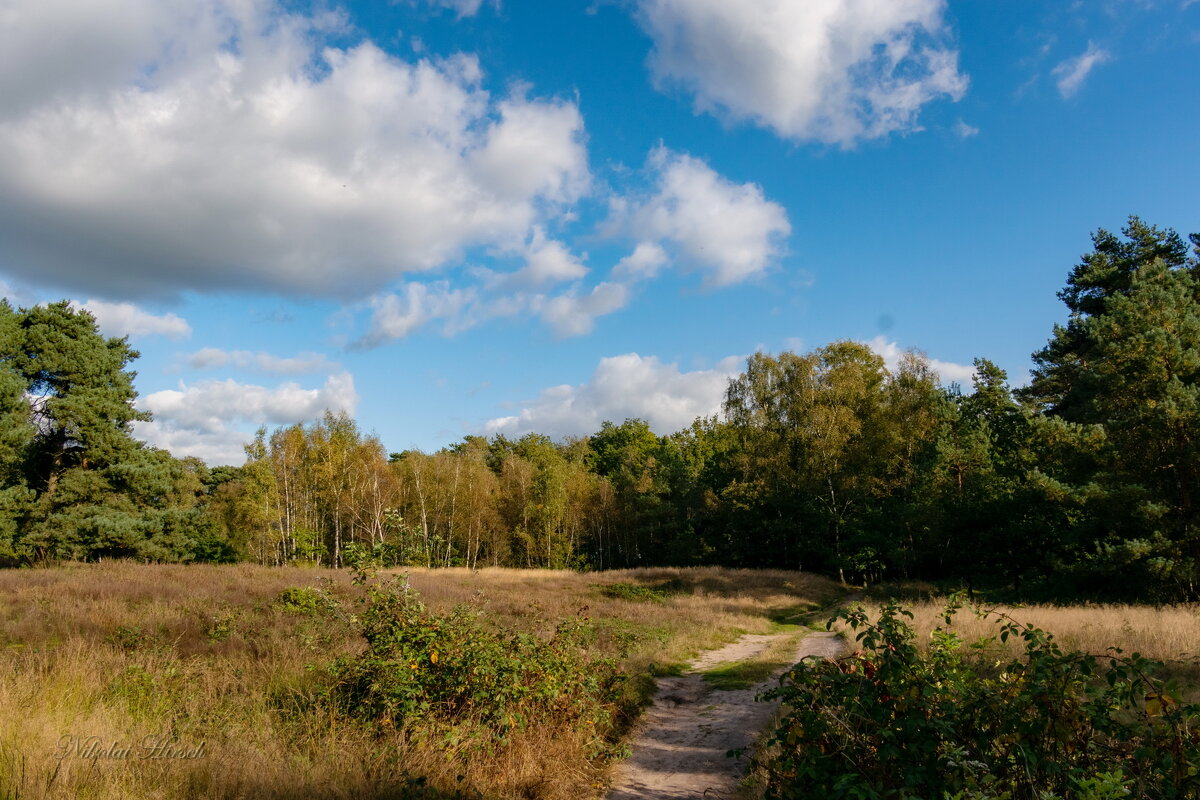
(82, 393)
(16, 437)
(76, 483)
(1128, 360)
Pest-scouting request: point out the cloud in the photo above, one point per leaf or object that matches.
(574, 315)
(964, 131)
(1072, 73)
(463, 8)
(948, 371)
(534, 151)
(643, 263)
(547, 261)
(395, 315)
(833, 71)
(225, 446)
(570, 313)
(155, 146)
(126, 319)
(302, 364)
(728, 231)
(18, 295)
(624, 386)
(202, 419)
(691, 216)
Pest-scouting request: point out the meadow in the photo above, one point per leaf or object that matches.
(121, 680)
(1169, 634)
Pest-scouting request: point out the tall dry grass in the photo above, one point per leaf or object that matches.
(1169, 634)
(108, 657)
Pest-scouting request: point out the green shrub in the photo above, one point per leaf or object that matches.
(426, 671)
(958, 722)
(128, 637)
(305, 600)
(220, 626)
(640, 593)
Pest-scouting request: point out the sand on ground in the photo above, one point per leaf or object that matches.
(683, 738)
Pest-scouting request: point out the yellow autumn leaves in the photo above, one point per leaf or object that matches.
(433, 659)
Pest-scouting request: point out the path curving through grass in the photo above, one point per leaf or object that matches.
(680, 749)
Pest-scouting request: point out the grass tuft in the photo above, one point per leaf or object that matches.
(747, 673)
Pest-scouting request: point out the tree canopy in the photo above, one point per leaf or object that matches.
(78, 484)
(1083, 482)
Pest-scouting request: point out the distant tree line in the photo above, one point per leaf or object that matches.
(1084, 482)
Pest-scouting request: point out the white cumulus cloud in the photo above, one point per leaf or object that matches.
(1072, 73)
(828, 70)
(395, 315)
(688, 215)
(204, 419)
(570, 313)
(225, 446)
(547, 261)
(621, 387)
(646, 260)
(153, 146)
(964, 130)
(728, 231)
(574, 315)
(126, 319)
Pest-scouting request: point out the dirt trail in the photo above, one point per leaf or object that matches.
(680, 750)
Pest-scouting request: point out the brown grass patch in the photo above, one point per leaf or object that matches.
(1170, 634)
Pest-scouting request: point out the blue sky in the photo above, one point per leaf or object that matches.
(453, 216)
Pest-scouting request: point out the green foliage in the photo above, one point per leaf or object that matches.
(83, 393)
(404, 548)
(307, 600)
(1084, 483)
(74, 482)
(889, 721)
(221, 626)
(831, 449)
(638, 592)
(128, 637)
(1128, 363)
(647, 477)
(452, 674)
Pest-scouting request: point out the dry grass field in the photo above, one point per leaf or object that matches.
(120, 680)
(130, 681)
(1170, 634)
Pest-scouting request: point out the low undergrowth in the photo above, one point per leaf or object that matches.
(965, 721)
(450, 677)
(639, 592)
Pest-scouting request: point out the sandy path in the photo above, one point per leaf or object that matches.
(680, 749)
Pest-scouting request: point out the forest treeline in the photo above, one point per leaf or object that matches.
(1081, 483)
